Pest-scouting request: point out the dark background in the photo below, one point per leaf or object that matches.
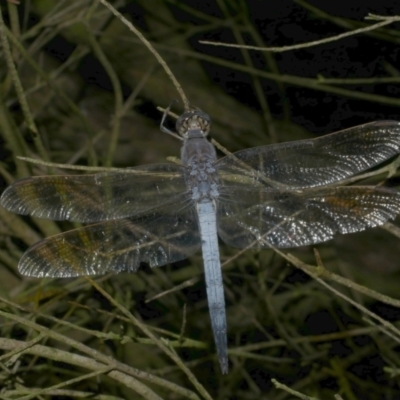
(254, 98)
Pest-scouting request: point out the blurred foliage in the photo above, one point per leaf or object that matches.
(91, 90)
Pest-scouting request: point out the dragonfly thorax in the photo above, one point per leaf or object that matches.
(202, 179)
(199, 157)
(197, 149)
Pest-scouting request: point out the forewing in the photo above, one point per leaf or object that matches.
(120, 245)
(99, 197)
(292, 218)
(316, 162)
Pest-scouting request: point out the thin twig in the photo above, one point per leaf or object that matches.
(386, 21)
(152, 50)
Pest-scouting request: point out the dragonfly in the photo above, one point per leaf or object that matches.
(275, 196)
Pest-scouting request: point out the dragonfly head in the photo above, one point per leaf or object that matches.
(193, 120)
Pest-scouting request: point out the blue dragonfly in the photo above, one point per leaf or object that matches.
(283, 195)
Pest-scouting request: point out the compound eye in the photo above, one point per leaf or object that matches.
(194, 119)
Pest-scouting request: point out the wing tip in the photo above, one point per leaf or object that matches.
(387, 123)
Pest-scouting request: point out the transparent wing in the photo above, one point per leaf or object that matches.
(121, 245)
(93, 198)
(316, 162)
(292, 218)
